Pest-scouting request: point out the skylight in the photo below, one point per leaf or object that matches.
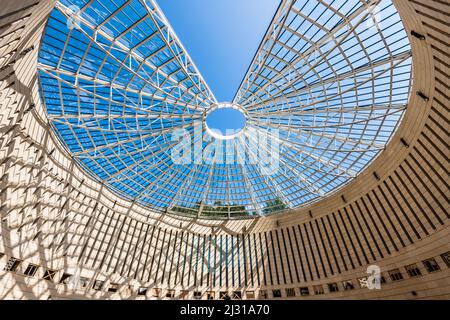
(324, 94)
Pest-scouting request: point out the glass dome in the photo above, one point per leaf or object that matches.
(323, 96)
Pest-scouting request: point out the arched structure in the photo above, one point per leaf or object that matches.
(65, 235)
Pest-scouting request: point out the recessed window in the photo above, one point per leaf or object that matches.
(83, 283)
(113, 287)
(250, 294)
(223, 295)
(156, 292)
(333, 287)
(12, 264)
(197, 295)
(98, 285)
(304, 291)
(262, 294)
(31, 270)
(290, 292)
(413, 270)
(142, 291)
(348, 285)
(276, 293)
(431, 265)
(49, 275)
(446, 258)
(237, 295)
(318, 289)
(210, 295)
(170, 293)
(395, 275)
(65, 278)
(184, 294)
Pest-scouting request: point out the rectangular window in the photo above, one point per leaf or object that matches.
(156, 292)
(223, 295)
(333, 287)
(318, 289)
(262, 294)
(142, 291)
(170, 293)
(413, 270)
(129, 290)
(98, 285)
(197, 295)
(12, 264)
(210, 295)
(65, 278)
(49, 275)
(395, 275)
(250, 294)
(290, 292)
(83, 283)
(276, 293)
(31, 270)
(113, 287)
(304, 291)
(444, 256)
(237, 295)
(431, 265)
(348, 285)
(184, 294)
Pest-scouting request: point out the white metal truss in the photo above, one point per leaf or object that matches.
(328, 85)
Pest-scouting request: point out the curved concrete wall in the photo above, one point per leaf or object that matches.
(56, 217)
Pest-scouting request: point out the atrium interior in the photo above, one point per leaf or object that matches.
(326, 175)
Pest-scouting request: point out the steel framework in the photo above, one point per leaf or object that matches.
(328, 85)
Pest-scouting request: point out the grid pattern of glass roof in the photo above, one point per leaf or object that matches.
(328, 85)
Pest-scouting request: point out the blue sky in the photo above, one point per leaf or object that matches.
(221, 37)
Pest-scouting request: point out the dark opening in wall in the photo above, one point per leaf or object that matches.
(210, 295)
(250, 294)
(113, 287)
(156, 292)
(170, 293)
(276, 293)
(395, 275)
(83, 282)
(12, 264)
(444, 256)
(304, 291)
(333, 287)
(431, 265)
(197, 295)
(65, 278)
(318, 289)
(262, 294)
(413, 270)
(290, 292)
(348, 285)
(142, 291)
(237, 295)
(49, 275)
(184, 294)
(31, 270)
(98, 285)
(223, 295)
